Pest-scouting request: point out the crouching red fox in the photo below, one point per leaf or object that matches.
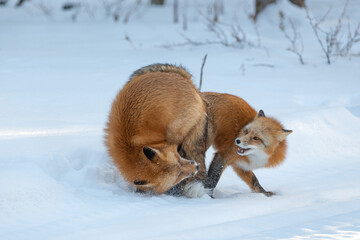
(243, 139)
(158, 113)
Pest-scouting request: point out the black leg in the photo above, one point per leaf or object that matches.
(216, 169)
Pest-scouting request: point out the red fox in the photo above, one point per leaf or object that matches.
(243, 139)
(157, 113)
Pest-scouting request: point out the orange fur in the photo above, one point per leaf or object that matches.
(228, 115)
(158, 110)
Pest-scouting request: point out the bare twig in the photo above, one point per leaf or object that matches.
(297, 46)
(176, 11)
(133, 9)
(257, 36)
(20, 2)
(314, 26)
(351, 40)
(243, 69)
(325, 15)
(201, 72)
(330, 40)
(127, 38)
(263, 65)
(118, 10)
(215, 9)
(185, 21)
(228, 35)
(44, 8)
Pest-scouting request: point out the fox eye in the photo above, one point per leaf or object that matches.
(256, 138)
(142, 182)
(245, 131)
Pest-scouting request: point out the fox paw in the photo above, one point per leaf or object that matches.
(194, 190)
(269, 194)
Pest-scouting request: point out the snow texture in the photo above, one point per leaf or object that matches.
(57, 82)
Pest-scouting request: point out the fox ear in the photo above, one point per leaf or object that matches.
(149, 153)
(283, 134)
(261, 113)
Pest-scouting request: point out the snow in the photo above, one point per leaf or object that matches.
(57, 82)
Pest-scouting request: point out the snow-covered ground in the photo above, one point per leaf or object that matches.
(57, 82)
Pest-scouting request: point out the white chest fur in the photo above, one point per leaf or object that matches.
(258, 159)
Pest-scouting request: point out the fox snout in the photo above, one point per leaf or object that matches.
(240, 143)
(243, 147)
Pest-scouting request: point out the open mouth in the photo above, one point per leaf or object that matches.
(242, 151)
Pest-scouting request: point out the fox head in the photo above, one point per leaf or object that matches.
(162, 168)
(261, 138)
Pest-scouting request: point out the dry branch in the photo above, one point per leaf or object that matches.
(330, 40)
(296, 43)
(201, 72)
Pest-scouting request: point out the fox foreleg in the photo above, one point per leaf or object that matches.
(251, 180)
(215, 170)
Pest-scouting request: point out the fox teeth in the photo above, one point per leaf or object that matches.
(242, 150)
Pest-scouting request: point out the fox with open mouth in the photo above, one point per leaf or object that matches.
(259, 141)
(262, 141)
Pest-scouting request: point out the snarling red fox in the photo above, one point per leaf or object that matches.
(157, 114)
(243, 139)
